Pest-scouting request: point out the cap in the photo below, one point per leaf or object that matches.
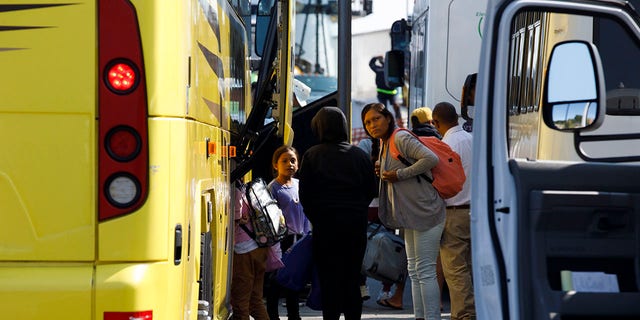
(423, 114)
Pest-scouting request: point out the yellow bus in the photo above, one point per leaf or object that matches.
(117, 120)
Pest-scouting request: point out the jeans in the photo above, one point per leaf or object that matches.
(422, 251)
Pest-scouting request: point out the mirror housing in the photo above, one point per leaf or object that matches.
(394, 68)
(574, 97)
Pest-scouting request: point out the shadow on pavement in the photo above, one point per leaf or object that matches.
(371, 310)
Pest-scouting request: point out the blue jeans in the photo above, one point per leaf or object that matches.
(422, 251)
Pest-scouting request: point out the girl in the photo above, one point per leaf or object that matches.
(410, 203)
(284, 189)
(249, 262)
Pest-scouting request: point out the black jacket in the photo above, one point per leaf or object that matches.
(337, 179)
(426, 130)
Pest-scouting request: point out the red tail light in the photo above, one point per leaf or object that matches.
(123, 143)
(140, 315)
(123, 157)
(122, 77)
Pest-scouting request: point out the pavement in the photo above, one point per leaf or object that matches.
(371, 310)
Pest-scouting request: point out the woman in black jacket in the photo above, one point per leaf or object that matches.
(337, 183)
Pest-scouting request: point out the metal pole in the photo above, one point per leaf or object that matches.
(344, 60)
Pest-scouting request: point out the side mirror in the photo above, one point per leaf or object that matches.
(263, 19)
(467, 102)
(574, 95)
(394, 68)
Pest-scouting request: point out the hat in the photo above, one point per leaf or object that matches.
(423, 114)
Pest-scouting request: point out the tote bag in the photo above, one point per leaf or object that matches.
(298, 265)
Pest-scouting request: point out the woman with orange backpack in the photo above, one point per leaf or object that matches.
(410, 202)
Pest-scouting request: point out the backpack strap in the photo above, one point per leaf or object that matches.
(395, 153)
(249, 232)
(375, 231)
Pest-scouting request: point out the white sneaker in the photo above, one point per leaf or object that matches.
(364, 293)
(383, 295)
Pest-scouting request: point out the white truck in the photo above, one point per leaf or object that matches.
(555, 209)
(444, 49)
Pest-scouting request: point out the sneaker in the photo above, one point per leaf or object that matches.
(364, 293)
(383, 295)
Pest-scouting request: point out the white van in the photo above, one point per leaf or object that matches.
(555, 209)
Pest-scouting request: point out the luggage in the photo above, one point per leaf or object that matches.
(269, 225)
(385, 258)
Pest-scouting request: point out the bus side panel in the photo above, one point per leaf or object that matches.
(220, 65)
(166, 28)
(46, 291)
(465, 22)
(148, 233)
(47, 124)
(445, 48)
(168, 227)
(139, 287)
(215, 184)
(202, 71)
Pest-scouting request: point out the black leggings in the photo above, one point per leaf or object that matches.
(338, 252)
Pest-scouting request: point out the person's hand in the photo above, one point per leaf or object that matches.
(377, 168)
(391, 176)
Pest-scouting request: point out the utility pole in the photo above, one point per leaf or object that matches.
(344, 60)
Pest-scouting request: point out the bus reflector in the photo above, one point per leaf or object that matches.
(136, 315)
(122, 77)
(122, 190)
(123, 143)
(211, 148)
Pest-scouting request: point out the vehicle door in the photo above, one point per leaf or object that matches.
(556, 177)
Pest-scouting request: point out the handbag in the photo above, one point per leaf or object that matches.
(385, 258)
(298, 264)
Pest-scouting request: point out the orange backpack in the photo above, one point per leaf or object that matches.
(448, 174)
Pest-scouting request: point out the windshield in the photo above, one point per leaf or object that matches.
(320, 85)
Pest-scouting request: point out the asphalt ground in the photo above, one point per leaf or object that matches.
(371, 310)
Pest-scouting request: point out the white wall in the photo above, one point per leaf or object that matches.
(371, 38)
(364, 47)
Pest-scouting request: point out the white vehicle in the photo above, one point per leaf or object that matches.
(556, 176)
(445, 47)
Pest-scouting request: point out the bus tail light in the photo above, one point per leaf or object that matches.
(123, 156)
(122, 190)
(135, 315)
(123, 143)
(121, 77)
